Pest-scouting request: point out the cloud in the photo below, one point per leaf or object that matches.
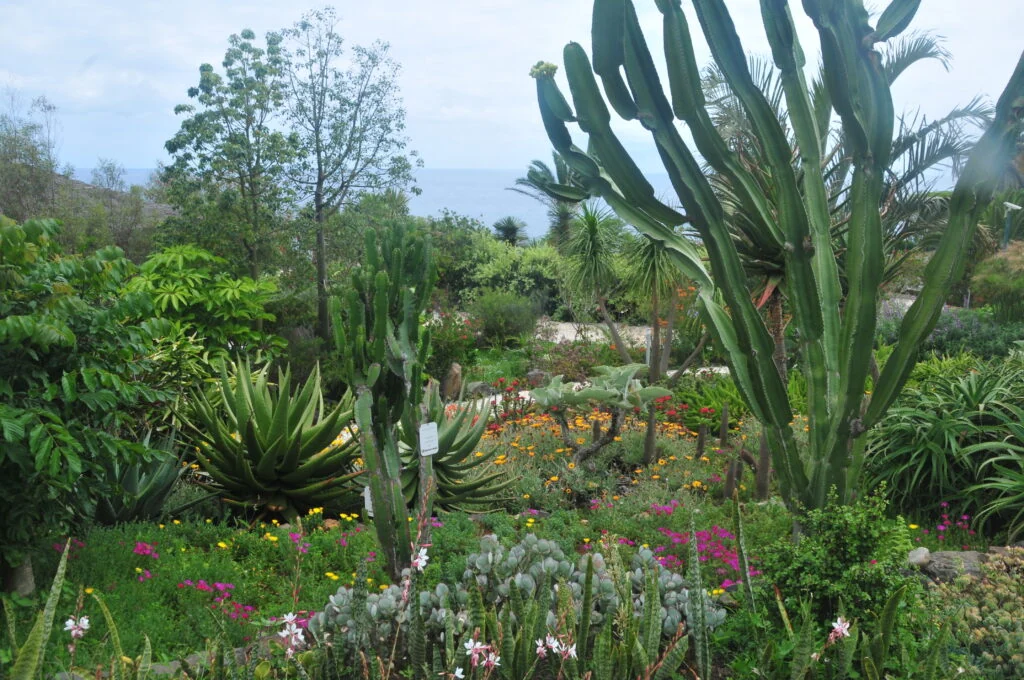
(117, 69)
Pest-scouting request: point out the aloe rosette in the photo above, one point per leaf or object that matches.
(271, 449)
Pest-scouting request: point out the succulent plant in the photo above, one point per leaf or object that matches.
(383, 346)
(267, 448)
(835, 324)
(989, 621)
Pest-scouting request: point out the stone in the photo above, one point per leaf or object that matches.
(537, 377)
(919, 557)
(947, 566)
(452, 386)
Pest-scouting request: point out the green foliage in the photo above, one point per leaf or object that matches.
(141, 488)
(792, 214)
(452, 340)
(709, 390)
(193, 287)
(574, 360)
(960, 330)
(81, 380)
(847, 556)
(534, 272)
(503, 317)
(229, 159)
(932, 445)
(272, 450)
(988, 615)
(999, 281)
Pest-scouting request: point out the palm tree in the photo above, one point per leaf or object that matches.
(591, 254)
(538, 184)
(511, 230)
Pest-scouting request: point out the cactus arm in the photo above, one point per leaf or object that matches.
(972, 193)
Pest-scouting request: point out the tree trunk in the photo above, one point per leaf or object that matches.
(673, 312)
(323, 324)
(19, 579)
(613, 331)
(653, 375)
(777, 328)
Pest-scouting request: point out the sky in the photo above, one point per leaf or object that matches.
(115, 69)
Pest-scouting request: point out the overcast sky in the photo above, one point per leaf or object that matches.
(116, 68)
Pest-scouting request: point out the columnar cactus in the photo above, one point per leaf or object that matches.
(835, 328)
(383, 345)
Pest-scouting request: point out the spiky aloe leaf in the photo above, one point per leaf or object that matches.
(29, 659)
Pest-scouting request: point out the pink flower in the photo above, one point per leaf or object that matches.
(77, 627)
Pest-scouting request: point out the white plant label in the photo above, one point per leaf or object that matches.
(368, 501)
(428, 439)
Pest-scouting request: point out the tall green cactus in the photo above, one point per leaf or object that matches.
(835, 329)
(383, 344)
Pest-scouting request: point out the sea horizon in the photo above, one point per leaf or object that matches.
(482, 194)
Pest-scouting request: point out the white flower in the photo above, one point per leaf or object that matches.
(77, 627)
(571, 651)
(541, 649)
(421, 559)
(841, 628)
(290, 618)
(459, 674)
(492, 660)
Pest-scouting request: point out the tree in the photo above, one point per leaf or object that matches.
(229, 159)
(348, 123)
(836, 323)
(591, 252)
(510, 230)
(560, 211)
(28, 159)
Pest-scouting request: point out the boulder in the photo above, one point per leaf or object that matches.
(947, 566)
(919, 557)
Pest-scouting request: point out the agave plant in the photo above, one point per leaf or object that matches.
(270, 449)
(836, 324)
(144, 485)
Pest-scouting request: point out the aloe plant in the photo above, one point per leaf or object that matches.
(835, 327)
(383, 346)
(270, 449)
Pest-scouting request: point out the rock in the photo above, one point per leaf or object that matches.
(537, 377)
(476, 390)
(946, 566)
(452, 387)
(919, 557)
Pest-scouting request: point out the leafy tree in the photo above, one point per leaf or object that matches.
(229, 159)
(79, 367)
(348, 123)
(28, 159)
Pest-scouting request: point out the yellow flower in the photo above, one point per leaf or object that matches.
(586, 540)
(580, 440)
(912, 526)
(161, 526)
(571, 466)
(209, 521)
(222, 544)
(655, 476)
(89, 591)
(526, 495)
(270, 537)
(138, 570)
(615, 498)
(177, 521)
(697, 483)
(554, 478)
(331, 575)
(617, 439)
(383, 586)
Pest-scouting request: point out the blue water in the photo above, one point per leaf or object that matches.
(481, 194)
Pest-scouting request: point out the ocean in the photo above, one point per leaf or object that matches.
(482, 194)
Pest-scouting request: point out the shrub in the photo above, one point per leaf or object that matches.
(958, 330)
(503, 316)
(452, 339)
(932, 443)
(848, 556)
(999, 281)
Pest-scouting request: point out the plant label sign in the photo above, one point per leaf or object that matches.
(428, 439)
(368, 501)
